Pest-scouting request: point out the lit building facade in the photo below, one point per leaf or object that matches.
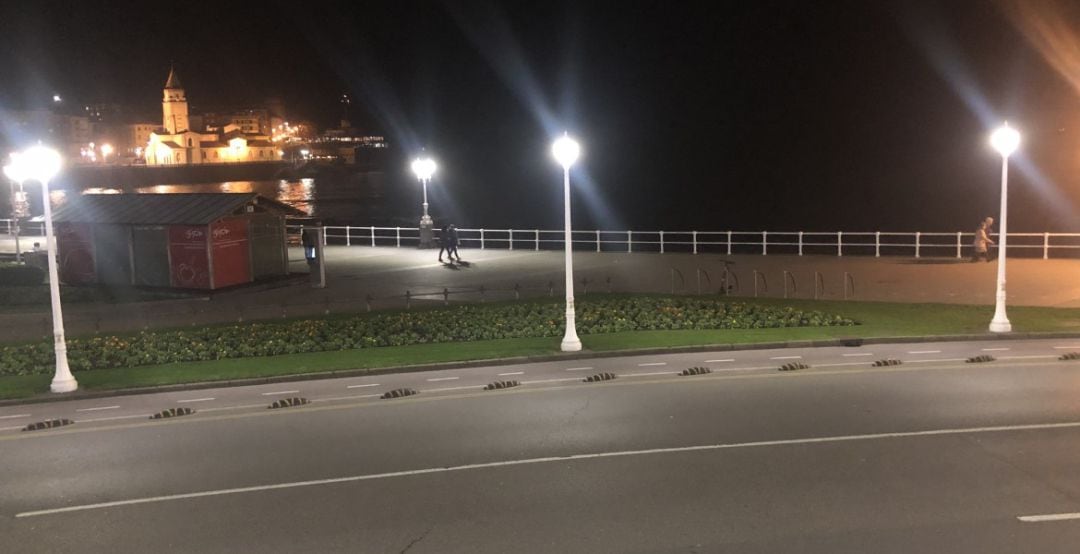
(176, 143)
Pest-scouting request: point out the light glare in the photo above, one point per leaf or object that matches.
(424, 168)
(1005, 140)
(566, 151)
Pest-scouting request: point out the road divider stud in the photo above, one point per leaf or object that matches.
(47, 424)
(887, 362)
(605, 376)
(793, 366)
(501, 385)
(172, 412)
(695, 371)
(1070, 356)
(288, 403)
(399, 393)
(982, 358)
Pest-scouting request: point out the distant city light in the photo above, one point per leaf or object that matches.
(106, 149)
(56, 99)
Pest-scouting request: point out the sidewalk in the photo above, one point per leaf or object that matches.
(359, 277)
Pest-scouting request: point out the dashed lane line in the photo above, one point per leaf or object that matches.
(14, 416)
(648, 364)
(578, 368)
(1067, 347)
(207, 399)
(280, 392)
(786, 358)
(931, 360)
(994, 349)
(240, 407)
(841, 364)
(924, 352)
(562, 460)
(720, 361)
(1049, 517)
(97, 409)
(364, 386)
(650, 373)
(436, 379)
(1034, 357)
(512, 373)
(858, 354)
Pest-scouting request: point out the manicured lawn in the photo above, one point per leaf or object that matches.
(877, 319)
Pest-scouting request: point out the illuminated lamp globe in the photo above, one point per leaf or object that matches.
(566, 151)
(39, 163)
(16, 169)
(424, 168)
(1005, 140)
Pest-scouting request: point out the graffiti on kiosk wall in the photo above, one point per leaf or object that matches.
(231, 251)
(190, 267)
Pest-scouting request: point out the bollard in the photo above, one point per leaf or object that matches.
(408, 300)
(517, 291)
(511, 239)
(551, 289)
(446, 297)
(367, 302)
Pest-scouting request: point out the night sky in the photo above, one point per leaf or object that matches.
(839, 115)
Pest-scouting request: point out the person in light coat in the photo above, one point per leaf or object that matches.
(982, 240)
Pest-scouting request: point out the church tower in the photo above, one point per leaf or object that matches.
(174, 105)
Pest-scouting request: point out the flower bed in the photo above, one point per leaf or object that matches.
(453, 324)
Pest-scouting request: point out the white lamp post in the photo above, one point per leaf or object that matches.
(424, 168)
(39, 163)
(1005, 140)
(566, 151)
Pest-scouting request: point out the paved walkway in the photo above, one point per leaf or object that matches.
(362, 277)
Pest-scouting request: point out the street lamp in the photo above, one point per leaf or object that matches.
(424, 168)
(566, 151)
(39, 163)
(1005, 140)
(106, 149)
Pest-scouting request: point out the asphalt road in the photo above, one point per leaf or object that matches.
(934, 455)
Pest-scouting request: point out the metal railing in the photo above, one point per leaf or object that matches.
(839, 243)
(28, 228)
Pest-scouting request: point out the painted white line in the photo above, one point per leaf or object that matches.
(207, 399)
(512, 373)
(578, 368)
(332, 398)
(720, 361)
(99, 408)
(362, 386)
(1026, 357)
(453, 388)
(786, 358)
(233, 407)
(14, 416)
(994, 349)
(858, 354)
(924, 352)
(114, 418)
(1067, 347)
(551, 380)
(1049, 517)
(280, 392)
(652, 364)
(434, 379)
(11, 428)
(551, 459)
(651, 373)
(935, 360)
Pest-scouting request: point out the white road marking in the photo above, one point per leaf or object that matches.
(786, 358)
(651, 373)
(345, 397)
(1026, 357)
(578, 368)
(97, 409)
(924, 352)
(652, 364)
(207, 399)
(554, 459)
(512, 373)
(1049, 517)
(719, 361)
(362, 386)
(114, 418)
(453, 388)
(551, 380)
(434, 379)
(858, 354)
(14, 416)
(11, 428)
(924, 361)
(994, 349)
(1067, 347)
(280, 392)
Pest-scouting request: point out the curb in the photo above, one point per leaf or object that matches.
(816, 343)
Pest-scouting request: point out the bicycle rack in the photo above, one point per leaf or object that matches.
(707, 278)
(764, 282)
(848, 279)
(794, 285)
(682, 280)
(819, 285)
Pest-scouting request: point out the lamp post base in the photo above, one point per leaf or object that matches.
(571, 345)
(64, 385)
(1000, 326)
(427, 233)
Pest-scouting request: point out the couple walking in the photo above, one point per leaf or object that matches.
(982, 240)
(448, 242)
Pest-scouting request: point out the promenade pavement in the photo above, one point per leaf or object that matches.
(359, 277)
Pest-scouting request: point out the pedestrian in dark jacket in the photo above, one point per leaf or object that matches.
(452, 252)
(444, 243)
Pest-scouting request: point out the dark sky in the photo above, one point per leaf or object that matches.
(849, 115)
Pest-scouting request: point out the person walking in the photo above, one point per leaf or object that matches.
(452, 252)
(982, 240)
(444, 243)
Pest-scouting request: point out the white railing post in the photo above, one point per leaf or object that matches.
(877, 244)
(511, 239)
(397, 236)
(348, 235)
(373, 235)
(324, 236)
(661, 242)
(629, 241)
(694, 233)
(764, 243)
(729, 243)
(959, 244)
(1046, 245)
(536, 238)
(597, 240)
(481, 239)
(800, 242)
(918, 241)
(839, 243)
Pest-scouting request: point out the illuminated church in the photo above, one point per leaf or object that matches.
(177, 144)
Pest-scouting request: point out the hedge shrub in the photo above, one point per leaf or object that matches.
(453, 324)
(19, 275)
